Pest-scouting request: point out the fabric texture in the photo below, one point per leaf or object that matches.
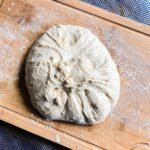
(12, 138)
(138, 10)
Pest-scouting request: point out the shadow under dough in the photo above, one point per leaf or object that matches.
(23, 89)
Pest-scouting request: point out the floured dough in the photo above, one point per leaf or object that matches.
(71, 76)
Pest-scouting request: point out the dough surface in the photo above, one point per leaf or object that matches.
(71, 76)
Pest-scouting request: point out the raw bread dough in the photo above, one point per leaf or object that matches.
(71, 76)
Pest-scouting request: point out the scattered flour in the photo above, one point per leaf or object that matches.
(12, 3)
(16, 33)
(57, 139)
(126, 57)
(136, 73)
(77, 146)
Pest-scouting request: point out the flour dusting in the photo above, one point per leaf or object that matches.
(38, 19)
(134, 71)
(34, 20)
(8, 60)
(57, 138)
(136, 75)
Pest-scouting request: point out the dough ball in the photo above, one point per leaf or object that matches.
(71, 76)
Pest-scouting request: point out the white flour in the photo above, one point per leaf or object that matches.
(8, 59)
(137, 74)
(57, 138)
(131, 66)
(12, 34)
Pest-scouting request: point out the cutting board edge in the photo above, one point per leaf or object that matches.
(21, 121)
(106, 15)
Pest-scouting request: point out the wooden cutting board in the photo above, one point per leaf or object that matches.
(129, 44)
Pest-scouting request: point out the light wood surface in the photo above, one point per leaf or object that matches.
(128, 23)
(124, 43)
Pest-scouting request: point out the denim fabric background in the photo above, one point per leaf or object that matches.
(138, 10)
(12, 138)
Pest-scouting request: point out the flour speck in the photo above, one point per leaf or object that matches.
(57, 138)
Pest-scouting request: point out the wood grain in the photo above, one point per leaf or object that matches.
(15, 106)
(43, 130)
(128, 23)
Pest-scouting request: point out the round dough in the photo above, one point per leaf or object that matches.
(71, 76)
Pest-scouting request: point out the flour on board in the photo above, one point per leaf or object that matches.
(126, 58)
(136, 72)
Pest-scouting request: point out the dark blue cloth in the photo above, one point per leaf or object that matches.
(12, 138)
(138, 10)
